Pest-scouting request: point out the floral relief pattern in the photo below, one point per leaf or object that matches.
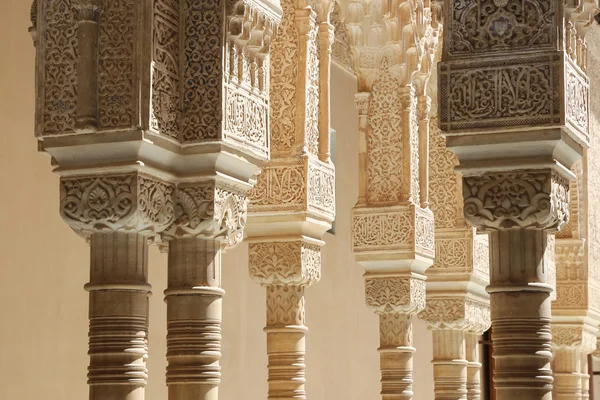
(115, 64)
(395, 295)
(457, 313)
(321, 188)
(517, 198)
(424, 233)
(395, 330)
(59, 41)
(500, 25)
(284, 263)
(284, 75)
(577, 102)
(116, 202)
(384, 139)
(312, 96)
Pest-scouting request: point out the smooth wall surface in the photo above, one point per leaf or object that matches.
(44, 265)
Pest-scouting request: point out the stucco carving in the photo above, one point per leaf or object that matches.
(116, 202)
(284, 263)
(526, 199)
(395, 294)
(457, 313)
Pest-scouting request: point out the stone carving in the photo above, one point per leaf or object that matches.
(573, 336)
(395, 330)
(457, 313)
(115, 202)
(526, 199)
(284, 73)
(502, 93)
(395, 294)
(444, 183)
(281, 186)
(284, 263)
(571, 295)
(321, 187)
(285, 306)
(209, 210)
(312, 91)
(490, 26)
(59, 46)
(341, 51)
(481, 256)
(570, 260)
(424, 233)
(116, 64)
(385, 173)
(377, 230)
(190, 84)
(452, 254)
(577, 101)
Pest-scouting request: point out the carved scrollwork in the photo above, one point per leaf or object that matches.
(376, 230)
(116, 202)
(285, 306)
(395, 330)
(526, 199)
(564, 336)
(281, 186)
(395, 294)
(284, 263)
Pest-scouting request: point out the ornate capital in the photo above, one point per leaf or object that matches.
(209, 210)
(458, 313)
(395, 294)
(113, 202)
(520, 198)
(284, 263)
(571, 335)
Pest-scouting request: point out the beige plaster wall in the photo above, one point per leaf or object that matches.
(43, 267)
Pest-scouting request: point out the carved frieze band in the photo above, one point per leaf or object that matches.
(395, 294)
(284, 263)
(520, 198)
(523, 91)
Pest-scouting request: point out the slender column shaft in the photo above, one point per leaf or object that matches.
(520, 314)
(194, 310)
(286, 346)
(473, 366)
(118, 335)
(585, 378)
(325, 39)
(396, 356)
(567, 377)
(424, 106)
(449, 365)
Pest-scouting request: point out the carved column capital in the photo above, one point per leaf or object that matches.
(583, 337)
(208, 210)
(457, 313)
(395, 294)
(116, 202)
(517, 199)
(295, 263)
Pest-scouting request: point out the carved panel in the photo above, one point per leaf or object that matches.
(116, 88)
(571, 295)
(385, 173)
(312, 91)
(517, 198)
(321, 188)
(492, 26)
(381, 229)
(281, 187)
(444, 183)
(395, 330)
(284, 263)
(424, 233)
(524, 91)
(284, 77)
(452, 254)
(341, 52)
(577, 101)
(58, 41)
